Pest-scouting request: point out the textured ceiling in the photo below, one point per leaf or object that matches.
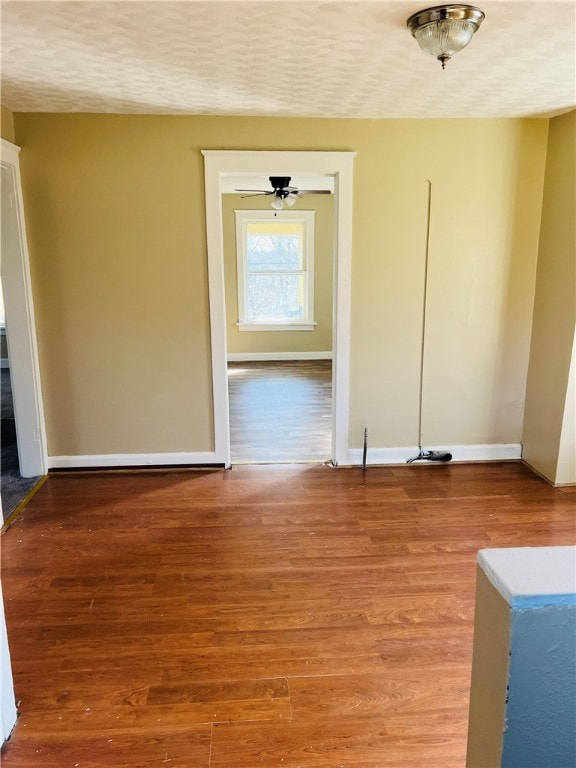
(281, 57)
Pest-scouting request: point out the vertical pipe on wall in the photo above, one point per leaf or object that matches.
(426, 455)
(423, 334)
(424, 314)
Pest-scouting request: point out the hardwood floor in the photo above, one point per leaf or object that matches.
(276, 616)
(280, 411)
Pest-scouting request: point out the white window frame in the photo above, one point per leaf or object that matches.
(245, 217)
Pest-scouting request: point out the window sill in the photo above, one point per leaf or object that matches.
(276, 326)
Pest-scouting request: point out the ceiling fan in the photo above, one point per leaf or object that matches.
(282, 192)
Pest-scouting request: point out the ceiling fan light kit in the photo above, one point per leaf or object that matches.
(444, 30)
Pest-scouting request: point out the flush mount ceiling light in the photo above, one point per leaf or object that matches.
(445, 29)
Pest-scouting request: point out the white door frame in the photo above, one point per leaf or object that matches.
(21, 335)
(8, 712)
(219, 164)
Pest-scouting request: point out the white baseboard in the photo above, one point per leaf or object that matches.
(375, 456)
(242, 357)
(496, 452)
(380, 455)
(132, 460)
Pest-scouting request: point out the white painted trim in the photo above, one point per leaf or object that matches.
(8, 712)
(217, 301)
(379, 456)
(344, 185)
(496, 452)
(242, 357)
(566, 464)
(20, 320)
(219, 164)
(375, 456)
(132, 460)
(277, 327)
(305, 218)
(9, 151)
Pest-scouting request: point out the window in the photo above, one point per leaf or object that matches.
(275, 253)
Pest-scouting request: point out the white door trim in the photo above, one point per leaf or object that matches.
(23, 351)
(8, 712)
(219, 164)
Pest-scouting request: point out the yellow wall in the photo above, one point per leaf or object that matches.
(547, 394)
(115, 216)
(6, 124)
(318, 340)
(486, 197)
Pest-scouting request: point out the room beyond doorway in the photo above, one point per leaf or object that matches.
(280, 411)
(15, 488)
(218, 166)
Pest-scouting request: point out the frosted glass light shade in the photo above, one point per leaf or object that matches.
(445, 29)
(445, 37)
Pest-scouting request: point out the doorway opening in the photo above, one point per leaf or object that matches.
(15, 488)
(24, 453)
(223, 167)
(279, 285)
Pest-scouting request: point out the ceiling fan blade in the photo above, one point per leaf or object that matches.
(257, 191)
(256, 194)
(313, 192)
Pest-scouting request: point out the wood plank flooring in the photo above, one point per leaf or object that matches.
(271, 617)
(280, 411)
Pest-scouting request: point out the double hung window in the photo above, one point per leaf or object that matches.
(275, 255)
